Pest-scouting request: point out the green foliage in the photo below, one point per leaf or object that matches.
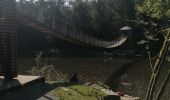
(153, 18)
(151, 9)
(168, 13)
(102, 18)
(155, 14)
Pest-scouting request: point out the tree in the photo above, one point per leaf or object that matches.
(101, 18)
(154, 19)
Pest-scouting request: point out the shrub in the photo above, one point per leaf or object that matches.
(48, 71)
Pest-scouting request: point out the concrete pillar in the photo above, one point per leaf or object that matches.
(8, 38)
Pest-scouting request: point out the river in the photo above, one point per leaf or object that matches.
(129, 75)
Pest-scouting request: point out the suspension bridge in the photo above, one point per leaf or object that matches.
(64, 31)
(60, 29)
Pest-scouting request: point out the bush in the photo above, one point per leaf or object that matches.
(50, 73)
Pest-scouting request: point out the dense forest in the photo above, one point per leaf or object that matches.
(104, 18)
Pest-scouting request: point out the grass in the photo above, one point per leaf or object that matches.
(78, 92)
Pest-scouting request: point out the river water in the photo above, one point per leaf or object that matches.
(129, 75)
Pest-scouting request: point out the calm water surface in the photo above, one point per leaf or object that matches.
(129, 75)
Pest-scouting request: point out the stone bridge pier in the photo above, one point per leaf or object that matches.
(8, 39)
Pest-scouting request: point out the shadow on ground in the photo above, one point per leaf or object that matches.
(7, 85)
(114, 79)
(35, 92)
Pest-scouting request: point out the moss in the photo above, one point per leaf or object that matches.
(78, 92)
(66, 95)
(87, 90)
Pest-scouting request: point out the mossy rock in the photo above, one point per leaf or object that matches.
(78, 92)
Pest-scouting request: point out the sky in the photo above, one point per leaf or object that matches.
(27, 0)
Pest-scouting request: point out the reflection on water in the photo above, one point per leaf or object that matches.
(121, 74)
(138, 76)
(92, 69)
